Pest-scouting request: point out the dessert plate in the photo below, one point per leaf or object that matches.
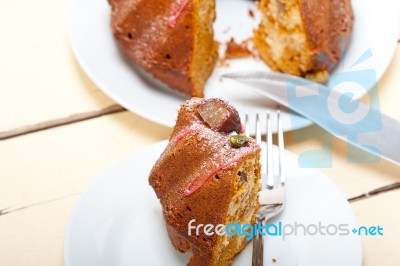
(97, 52)
(118, 221)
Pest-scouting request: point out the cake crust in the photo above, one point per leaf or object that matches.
(190, 154)
(328, 26)
(168, 53)
(304, 37)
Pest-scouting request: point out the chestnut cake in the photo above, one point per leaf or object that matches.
(210, 174)
(304, 37)
(174, 40)
(171, 39)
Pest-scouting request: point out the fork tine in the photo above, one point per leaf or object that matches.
(247, 126)
(270, 162)
(281, 146)
(258, 130)
(272, 197)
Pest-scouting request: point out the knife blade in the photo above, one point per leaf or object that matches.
(359, 124)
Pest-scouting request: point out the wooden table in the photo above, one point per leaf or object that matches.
(58, 131)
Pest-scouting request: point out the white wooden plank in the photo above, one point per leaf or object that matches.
(35, 236)
(40, 79)
(381, 210)
(61, 161)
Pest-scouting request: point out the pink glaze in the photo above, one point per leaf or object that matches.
(186, 132)
(172, 19)
(188, 191)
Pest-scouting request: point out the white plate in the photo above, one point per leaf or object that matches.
(118, 221)
(97, 52)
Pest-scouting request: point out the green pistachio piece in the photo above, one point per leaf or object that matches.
(238, 141)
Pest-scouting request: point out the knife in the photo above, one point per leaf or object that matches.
(336, 109)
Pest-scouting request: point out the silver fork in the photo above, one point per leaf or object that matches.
(272, 194)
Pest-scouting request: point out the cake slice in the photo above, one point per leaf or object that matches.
(304, 37)
(170, 39)
(208, 174)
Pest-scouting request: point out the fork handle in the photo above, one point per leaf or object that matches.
(258, 250)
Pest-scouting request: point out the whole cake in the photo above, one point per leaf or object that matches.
(207, 174)
(304, 37)
(171, 39)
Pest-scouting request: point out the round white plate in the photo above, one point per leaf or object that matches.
(118, 221)
(98, 54)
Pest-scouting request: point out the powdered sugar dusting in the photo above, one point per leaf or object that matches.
(173, 19)
(191, 130)
(189, 190)
(186, 132)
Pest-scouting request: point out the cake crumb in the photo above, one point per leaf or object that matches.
(319, 77)
(237, 50)
(251, 13)
(223, 62)
(226, 30)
